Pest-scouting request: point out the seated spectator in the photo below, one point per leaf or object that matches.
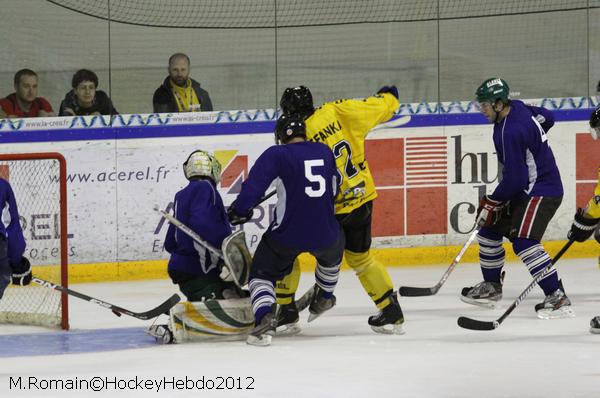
(85, 99)
(179, 92)
(24, 102)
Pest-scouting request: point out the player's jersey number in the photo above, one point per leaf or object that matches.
(317, 179)
(338, 151)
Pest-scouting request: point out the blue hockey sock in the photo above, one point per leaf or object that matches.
(262, 295)
(491, 255)
(535, 257)
(326, 279)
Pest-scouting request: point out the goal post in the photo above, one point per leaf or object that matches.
(39, 182)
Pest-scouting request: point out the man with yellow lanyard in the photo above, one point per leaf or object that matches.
(179, 92)
(343, 125)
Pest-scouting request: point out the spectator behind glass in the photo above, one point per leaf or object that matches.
(85, 99)
(24, 102)
(180, 93)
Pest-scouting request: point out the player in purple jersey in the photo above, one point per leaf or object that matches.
(195, 269)
(305, 177)
(522, 204)
(12, 243)
(199, 273)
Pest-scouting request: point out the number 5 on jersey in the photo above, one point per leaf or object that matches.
(314, 178)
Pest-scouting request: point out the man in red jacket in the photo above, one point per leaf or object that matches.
(24, 102)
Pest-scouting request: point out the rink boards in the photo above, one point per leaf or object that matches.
(429, 172)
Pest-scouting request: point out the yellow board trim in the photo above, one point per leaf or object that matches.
(390, 257)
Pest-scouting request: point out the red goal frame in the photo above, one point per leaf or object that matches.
(64, 246)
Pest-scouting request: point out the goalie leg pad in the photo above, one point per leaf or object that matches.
(373, 276)
(212, 320)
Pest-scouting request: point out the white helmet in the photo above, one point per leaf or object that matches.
(202, 164)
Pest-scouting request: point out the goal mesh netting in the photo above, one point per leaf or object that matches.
(235, 14)
(39, 190)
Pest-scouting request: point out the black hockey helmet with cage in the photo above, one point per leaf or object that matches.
(288, 127)
(297, 101)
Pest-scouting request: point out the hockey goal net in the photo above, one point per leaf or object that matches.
(39, 184)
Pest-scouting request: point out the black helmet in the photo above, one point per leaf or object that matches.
(288, 127)
(595, 123)
(595, 118)
(297, 101)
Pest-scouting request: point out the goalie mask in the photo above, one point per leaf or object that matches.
(202, 164)
(288, 127)
(297, 101)
(595, 123)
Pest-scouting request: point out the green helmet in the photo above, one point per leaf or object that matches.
(492, 90)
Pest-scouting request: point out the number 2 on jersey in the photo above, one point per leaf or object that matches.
(350, 170)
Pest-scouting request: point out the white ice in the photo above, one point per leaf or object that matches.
(339, 356)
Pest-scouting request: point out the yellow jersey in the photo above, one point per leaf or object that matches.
(593, 207)
(343, 125)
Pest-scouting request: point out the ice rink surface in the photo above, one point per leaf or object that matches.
(335, 356)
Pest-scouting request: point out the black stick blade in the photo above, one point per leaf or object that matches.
(408, 291)
(153, 313)
(474, 324)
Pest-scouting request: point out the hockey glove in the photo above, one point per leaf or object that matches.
(389, 89)
(489, 212)
(21, 272)
(235, 218)
(582, 227)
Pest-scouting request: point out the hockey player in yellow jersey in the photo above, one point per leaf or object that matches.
(343, 125)
(587, 220)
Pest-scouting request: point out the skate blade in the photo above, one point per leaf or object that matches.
(485, 303)
(288, 330)
(312, 317)
(389, 329)
(260, 341)
(558, 314)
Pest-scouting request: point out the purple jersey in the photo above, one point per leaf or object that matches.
(12, 230)
(200, 207)
(529, 167)
(306, 180)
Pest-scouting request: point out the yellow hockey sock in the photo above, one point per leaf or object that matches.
(287, 287)
(372, 275)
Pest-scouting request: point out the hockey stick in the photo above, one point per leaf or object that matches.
(118, 311)
(473, 324)
(189, 232)
(430, 291)
(198, 239)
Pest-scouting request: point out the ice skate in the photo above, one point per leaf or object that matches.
(390, 319)
(484, 294)
(162, 334)
(263, 332)
(320, 304)
(595, 325)
(555, 305)
(287, 320)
